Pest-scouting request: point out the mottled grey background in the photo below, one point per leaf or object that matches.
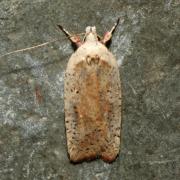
(147, 47)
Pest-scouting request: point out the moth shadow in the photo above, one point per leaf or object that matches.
(108, 44)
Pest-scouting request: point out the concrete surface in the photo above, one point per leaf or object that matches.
(147, 47)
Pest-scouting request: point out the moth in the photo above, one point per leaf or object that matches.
(92, 98)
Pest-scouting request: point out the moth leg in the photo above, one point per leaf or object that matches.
(73, 38)
(108, 35)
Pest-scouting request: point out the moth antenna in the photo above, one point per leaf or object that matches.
(115, 25)
(69, 35)
(65, 31)
(29, 48)
(73, 38)
(99, 36)
(108, 35)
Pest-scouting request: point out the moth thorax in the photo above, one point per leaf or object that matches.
(91, 34)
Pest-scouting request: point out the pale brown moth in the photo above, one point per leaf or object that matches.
(92, 99)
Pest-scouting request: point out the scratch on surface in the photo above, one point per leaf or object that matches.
(169, 151)
(133, 90)
(168, 4)
(173, 150)
(37, 146)
(29, 162)
(160, 162)
(161, 108)
(7, 113)
(120, 60)
(124, 45)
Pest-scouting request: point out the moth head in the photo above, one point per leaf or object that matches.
(91, 34)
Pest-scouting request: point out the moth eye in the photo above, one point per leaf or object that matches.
(93, 29)
(88, 29)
